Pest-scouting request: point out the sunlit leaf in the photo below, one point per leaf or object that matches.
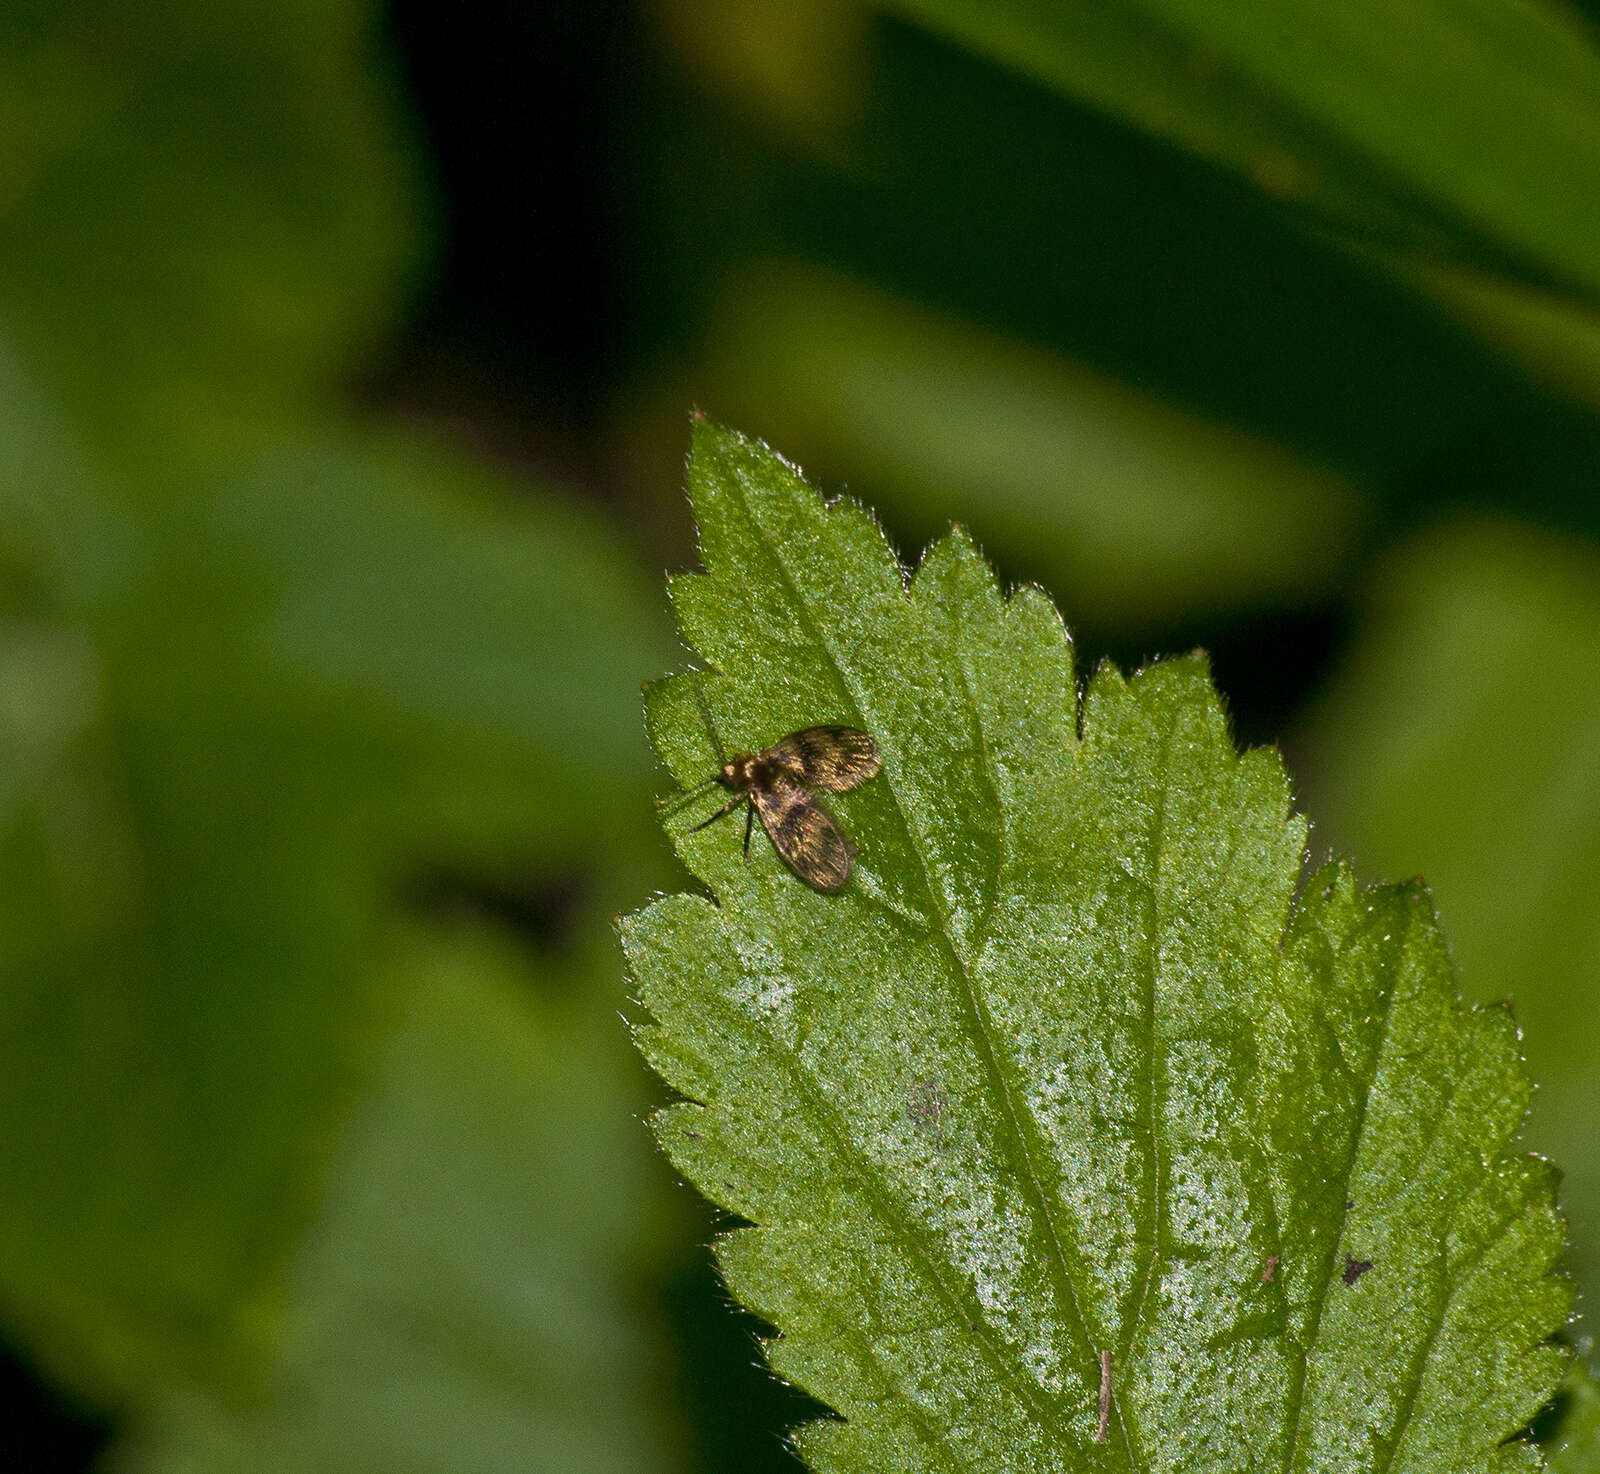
(1067, 1068)
(1458, 742)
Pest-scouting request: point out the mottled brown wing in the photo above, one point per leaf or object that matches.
(829, 758)
(803, 832)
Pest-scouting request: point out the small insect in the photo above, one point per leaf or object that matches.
(781, 783)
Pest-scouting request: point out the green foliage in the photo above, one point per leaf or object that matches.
(1460, 141)
(298, 1175)
(1067, 1067)
(295, 1177)
(1577, 1449)
(462, 1302)
(1363, 110)
(1458, 741)
(203, 210)
(227, 753)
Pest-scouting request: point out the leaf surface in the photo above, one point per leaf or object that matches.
(1453, 141)
(1065, 1069)
(1459, 740)
(462, 1299)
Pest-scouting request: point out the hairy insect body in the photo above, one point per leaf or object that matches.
(780, 784)
(742, 773)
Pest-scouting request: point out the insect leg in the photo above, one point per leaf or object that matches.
(749, 823)
(682, 800)
(737, 798)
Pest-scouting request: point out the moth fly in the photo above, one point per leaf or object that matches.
(780, 785)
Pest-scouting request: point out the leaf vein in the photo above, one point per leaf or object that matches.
(1150, 969)
(1419, 1363)
(907, 1231)
(977, 1022)
(1370, 1074)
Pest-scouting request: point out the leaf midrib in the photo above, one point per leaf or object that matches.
(979, 1027)
(1151, 969)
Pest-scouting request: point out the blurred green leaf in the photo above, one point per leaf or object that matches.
(1577, 1448)
(261, 681)
(228, 735)
(467, 1297)
(1455, 130)
(184, 908)
(1143, 511)
(501, 630)
(1459, 743)
(1437, 119)
(1065, 1068)
(203, 209)
(1550, 335)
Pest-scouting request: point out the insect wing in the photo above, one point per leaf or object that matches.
(829, 758)
(803, 832)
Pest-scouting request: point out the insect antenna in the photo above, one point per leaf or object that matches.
(677, 804)
(705, 711)
(681, 801)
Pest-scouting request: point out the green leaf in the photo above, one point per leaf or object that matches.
(1067, 1068)
(228, 739)
(1459, 740)
(204, 209)
(1455, 142)
(462, 1301)
(498, 630)
(1577, 1447)
(1428, 119)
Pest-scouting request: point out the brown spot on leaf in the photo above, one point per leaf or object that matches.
(1354, 1268)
